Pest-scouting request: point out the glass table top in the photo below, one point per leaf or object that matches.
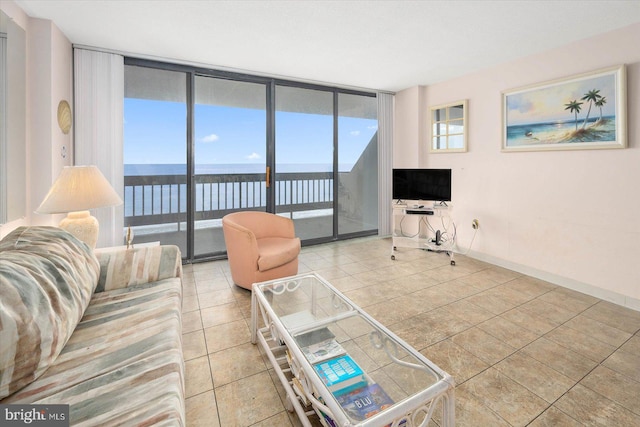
(328, 328)
(304, 300)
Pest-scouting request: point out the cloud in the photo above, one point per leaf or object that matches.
(354, 133)
(210, 138)
(373, 127)
(253, 156)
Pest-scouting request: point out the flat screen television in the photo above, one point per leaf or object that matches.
(422, 184)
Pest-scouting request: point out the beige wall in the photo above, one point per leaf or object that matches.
(51, 77)
(407, 128)
(49, 80)
(570, 217)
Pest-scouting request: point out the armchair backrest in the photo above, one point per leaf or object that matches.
(262, 224)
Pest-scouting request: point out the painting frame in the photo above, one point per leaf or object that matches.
(582, 112)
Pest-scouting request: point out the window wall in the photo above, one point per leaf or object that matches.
(304, 160)
(155, 155)
(229, 148)
(200, 144)
(357, 164)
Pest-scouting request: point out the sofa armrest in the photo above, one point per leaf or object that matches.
(120, 268)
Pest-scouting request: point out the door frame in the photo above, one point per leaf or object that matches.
(270, 86)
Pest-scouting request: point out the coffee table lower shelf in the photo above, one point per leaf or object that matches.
(277, 357)
(300, 396)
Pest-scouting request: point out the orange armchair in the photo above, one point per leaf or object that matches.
(260, 246)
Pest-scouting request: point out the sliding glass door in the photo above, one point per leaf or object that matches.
(357, 164)
(155, 155)
(200, 144)
(304, 162)
(229, 146)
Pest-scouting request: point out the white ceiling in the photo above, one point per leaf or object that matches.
(382, 45)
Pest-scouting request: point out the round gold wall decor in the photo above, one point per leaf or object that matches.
(64, 116)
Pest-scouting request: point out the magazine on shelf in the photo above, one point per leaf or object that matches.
(341, 374)
(365, 402)
(300, 391)
(295, 370)
(324, 350)
(325, 419)
(318, 345)
(328, 421)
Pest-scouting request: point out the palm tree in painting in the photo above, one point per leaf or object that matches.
(591, 96)
(574, 107)
(599, 103)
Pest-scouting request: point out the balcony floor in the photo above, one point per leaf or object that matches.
(209, 239)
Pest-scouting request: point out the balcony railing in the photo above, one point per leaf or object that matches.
(162, 199)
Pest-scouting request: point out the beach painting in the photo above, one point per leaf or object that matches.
(582, 112)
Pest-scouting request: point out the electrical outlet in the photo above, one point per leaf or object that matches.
(475, 224)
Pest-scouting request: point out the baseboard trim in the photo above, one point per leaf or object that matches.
(565, 282)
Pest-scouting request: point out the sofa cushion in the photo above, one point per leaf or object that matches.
(121, 268)
(47, 277)
(123, 365)
(277, 251)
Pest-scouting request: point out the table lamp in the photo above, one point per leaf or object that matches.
(78, 189)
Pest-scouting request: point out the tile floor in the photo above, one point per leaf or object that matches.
(522, 351)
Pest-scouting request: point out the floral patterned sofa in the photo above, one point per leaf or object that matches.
(98, 331)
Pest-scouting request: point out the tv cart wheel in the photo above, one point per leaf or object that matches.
(453, 262)
(393, 257)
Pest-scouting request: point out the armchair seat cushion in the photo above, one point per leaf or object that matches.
(277, 251)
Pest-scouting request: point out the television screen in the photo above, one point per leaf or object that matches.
(422, 184)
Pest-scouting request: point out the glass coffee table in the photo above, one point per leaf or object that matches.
(338, 363)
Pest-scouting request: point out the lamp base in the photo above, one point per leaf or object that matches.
(82, 225)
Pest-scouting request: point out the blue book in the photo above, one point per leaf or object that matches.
(365, 402)
(341, 374)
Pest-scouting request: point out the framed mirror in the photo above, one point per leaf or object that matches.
(448, 128)
(12, 120)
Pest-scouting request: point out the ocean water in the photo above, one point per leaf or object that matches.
(204, 169)
(561, 132)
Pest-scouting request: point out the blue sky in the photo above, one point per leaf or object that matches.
(154, 133)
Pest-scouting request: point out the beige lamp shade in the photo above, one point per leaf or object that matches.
(78, 189)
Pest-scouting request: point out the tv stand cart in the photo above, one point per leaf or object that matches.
(425, 226)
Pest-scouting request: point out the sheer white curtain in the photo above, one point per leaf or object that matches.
(3, 129)
(385, 161)
(98, 131)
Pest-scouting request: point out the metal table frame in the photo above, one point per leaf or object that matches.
(288, 361)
